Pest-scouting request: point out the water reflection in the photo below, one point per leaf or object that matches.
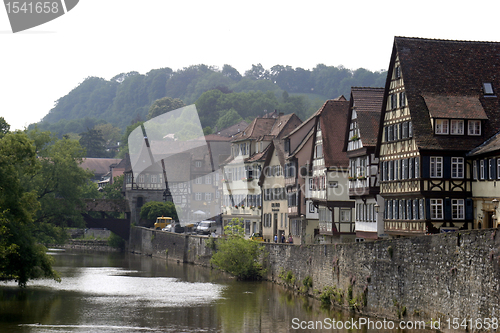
(127, 293)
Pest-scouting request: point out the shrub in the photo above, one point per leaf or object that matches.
(238, 256)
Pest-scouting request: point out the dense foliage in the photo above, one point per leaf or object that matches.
(153, 209)
(236, 255)
(127, 98)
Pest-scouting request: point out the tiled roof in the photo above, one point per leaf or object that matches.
(368, 105)
(233, 130)
(457, 107)
(257, 128)
(447, 68)
(333, 121)
(99, 166)
(490, 146)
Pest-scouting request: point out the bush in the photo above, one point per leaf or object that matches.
(153, 209)
(238, 256)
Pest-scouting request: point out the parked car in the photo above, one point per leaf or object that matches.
(206, 227)
(174, 227)
(257, 236)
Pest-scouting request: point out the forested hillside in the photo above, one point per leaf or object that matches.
(222, 96)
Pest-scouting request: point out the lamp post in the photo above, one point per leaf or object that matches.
(377, 207)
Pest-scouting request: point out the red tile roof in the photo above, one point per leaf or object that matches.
(333, 121)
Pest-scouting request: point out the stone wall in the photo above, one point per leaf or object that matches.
(89, 245)
(161, 244)
(445, 276)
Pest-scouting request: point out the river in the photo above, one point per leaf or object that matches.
(114, 292)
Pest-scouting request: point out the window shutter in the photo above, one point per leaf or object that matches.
(493, 168)
(469, 209)
(425, 166)
(447, 209)
(428, 209)
(446, 167)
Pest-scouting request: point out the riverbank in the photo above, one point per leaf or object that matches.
(443, 277)
(89, 245)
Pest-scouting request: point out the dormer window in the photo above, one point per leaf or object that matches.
(488, 89)
(474, 127)
(457, 127)
(441, 126)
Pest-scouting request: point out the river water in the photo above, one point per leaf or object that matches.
(128, 293)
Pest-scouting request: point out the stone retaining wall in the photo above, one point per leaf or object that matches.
(445, 276)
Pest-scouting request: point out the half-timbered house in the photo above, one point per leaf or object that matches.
(439, 104)
(360, 143)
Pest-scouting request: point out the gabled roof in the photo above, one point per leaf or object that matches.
(367, 102)
(492, 145)
(442, 72)
(333, 121)
(267, 129)
(233, 130)
(99, 166)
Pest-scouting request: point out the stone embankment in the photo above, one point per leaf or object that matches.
(447, 276)
(90, 245)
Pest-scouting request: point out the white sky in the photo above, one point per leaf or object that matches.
(107, 37)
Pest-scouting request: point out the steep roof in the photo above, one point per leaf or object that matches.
(333, 122)
(233, 130)
(367, 102)
(440, 73)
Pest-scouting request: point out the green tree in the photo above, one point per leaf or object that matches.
(4, 127)
(21, 257)
(236, 255)
(153, 209)
(228, 118)
(164, 105)
(109, 133)
(93, 142)
(58, 184)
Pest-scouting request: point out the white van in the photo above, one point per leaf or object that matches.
(206, 227)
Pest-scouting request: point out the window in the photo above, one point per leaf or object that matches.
(436, 209)
(208, 179)
(198, 164)
(436, 167)
(208, 197)
(474, 170)
(417, 167)
(140, 179)
(441, 126)
(457, 167)
(198, 180)
(457, 127)
(481, 170)
(474, 127)
(197, 196)
(345, 215)
(488, 89)
(154, 179)
(318, 151)
(421, 209)
(402, 99)
(457, 209)
(397, 72)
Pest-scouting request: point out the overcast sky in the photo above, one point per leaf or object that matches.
(107, 37)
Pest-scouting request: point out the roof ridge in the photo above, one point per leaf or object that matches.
(445, 40)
